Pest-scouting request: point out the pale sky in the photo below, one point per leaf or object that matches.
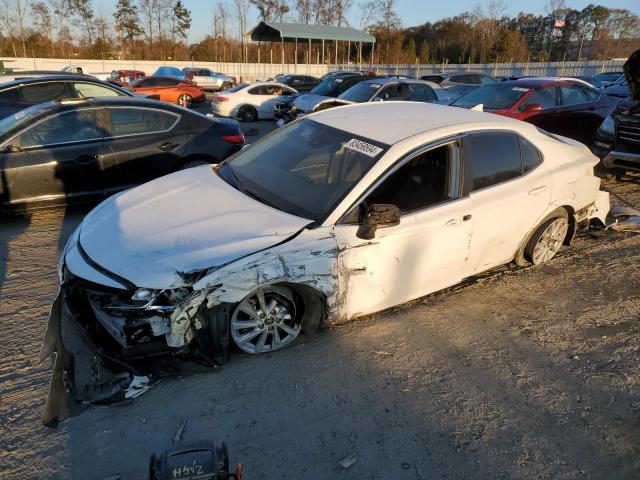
(411, 12)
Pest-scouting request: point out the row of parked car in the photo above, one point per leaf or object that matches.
(57, 134)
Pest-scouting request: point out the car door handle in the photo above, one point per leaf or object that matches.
(168, 146)
(82, 159)
(453, 222)
(538, 190)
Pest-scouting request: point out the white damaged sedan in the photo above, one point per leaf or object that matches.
(341, 214)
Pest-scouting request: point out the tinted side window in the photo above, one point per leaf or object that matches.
(257, 91)
(421, 93)
(87, 90)
(148, 82)
(544, 96)
(421, 182)
(166, 82)
(10, 95)
(44, 92)
(492, 157)
(391, 93)
(75, 126)
(130, 121)
(530, 155)
(573, 95)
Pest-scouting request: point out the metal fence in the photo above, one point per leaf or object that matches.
(254, 71)
(537, 69)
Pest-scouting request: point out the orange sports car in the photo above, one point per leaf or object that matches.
(168, 89)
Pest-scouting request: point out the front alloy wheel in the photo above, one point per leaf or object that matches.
(265, 320)
(550, 238)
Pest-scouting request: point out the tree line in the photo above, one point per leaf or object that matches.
(158, 29)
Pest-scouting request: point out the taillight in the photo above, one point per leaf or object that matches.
(236, 138)
(221, 99)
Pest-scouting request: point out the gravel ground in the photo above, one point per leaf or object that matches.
(523, 373)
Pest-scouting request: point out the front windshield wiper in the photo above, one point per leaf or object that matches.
(253, 195)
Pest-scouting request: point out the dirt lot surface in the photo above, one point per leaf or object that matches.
(523, 374)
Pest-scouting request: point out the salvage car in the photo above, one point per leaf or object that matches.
(205, 78)
(378, 90)
(332, 217)
(566, 106)
(249, 102)
(170, 89)
(20, 94)
(332, 86)
(77, 149)
(124, 78)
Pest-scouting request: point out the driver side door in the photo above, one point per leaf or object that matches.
(425, 252)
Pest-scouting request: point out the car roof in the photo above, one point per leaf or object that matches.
(372, 119)
(112, 101)
(50, 78)
(537, 82)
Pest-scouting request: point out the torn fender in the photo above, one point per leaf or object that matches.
(310, 259)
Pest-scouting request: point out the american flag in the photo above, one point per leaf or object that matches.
(559, 24)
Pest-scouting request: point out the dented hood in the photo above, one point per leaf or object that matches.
(183, 222)
(306, 103)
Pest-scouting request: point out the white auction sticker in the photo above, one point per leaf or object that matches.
(520, 89)
(363, 147)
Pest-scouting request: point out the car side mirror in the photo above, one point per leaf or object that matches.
(532, 108)
(378, 215)
(378, 99)
(14, 148)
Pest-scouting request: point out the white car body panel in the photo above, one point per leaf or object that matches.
(193, 220)
(146, 235)
(264, 104)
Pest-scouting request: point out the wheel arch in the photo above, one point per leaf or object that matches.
(519, 257)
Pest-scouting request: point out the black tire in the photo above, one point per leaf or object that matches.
(188, 98)
(557, 218)
(523, 256)
(247, 114)
(194, 163)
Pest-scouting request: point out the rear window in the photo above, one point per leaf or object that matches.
(493, 97)
(362, 92)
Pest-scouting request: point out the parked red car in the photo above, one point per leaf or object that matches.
(169, 89)
(123, 78)
(567, 107)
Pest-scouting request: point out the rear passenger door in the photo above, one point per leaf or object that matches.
(577, 115)
(509, 195)
(147, 142)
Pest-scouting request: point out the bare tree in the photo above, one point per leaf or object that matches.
(389, 18)
(242, 10)
(147, 10)
(162, 11)
(304, 9)
(7, 16)
(21, 11)
(60, 13)
(41, 17)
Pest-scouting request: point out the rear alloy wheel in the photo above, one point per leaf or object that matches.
(265, 321)
(547, 240)
(247, 114)
(185, 97)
